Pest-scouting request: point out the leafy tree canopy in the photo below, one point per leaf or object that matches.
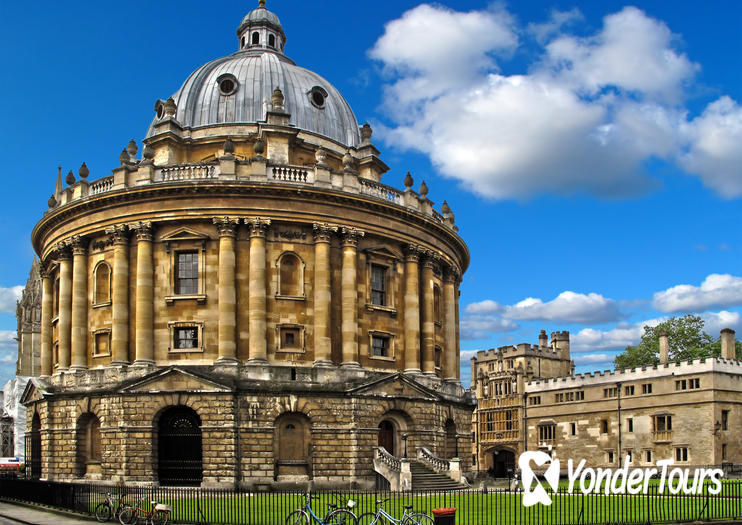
(686, 339)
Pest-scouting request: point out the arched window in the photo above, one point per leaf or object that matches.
(102, 291)
(437, 303)
(244, 42)
(56, 297)
(35, 459)
(290, 275)
(88, 445)
(255, 38)
(272, 40)
(451, 446)
(292, 445)
(179, 447)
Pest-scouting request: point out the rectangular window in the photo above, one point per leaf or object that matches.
(185, 337)
(725, 419)
(604, 426)
(508, 420)
(610, 392)
(629, 390)
(681, 385)
(534, 400)
(581, 395)
(546, 433)
(101, 340)
(630, 455)
(378, 285)
(681, 454)
(379, 346)
(647, 388)
(648, 456)
(694, 383)
(662, 423)
(186, 273)
(630, 424)
(573, 429)
(610, 456)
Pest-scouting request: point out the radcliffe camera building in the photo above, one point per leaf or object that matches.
(246, 303)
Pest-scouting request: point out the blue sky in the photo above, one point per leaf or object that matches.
(591, 151)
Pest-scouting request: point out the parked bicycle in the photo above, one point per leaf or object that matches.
(158, 514)
(408, 517)
(110, 508)
(333, 516)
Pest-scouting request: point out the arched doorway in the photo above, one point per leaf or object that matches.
(387, 436)
(35, 447)
(503, 463)
(179, 447)
(292, 446)
(88, 445)
(451, 446)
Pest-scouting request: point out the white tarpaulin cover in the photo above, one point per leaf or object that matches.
(13, 408)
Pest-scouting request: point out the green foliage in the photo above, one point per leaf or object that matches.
(686, 340)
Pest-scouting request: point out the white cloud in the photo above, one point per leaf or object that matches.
(584, 118)
(484, 307)
(714, 322)
(482, 326)
(8, 298)
(593, 359)
(567, 307)
(716, 291)
(8, 355)
(617, 338)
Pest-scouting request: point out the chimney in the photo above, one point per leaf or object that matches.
(543, 339)
(664, 349)
(728, 344)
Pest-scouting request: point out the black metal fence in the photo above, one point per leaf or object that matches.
(474, 507)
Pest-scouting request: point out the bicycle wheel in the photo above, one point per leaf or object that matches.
(369, 519)
(341, 517)
(298, 517)
(103, 512)
(128, 516)
(418, 519)
(160, 517)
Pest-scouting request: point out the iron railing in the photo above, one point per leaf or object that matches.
(474, 507)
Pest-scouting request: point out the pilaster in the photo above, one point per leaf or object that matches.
(412, 310)
(322, 293)
(47, 304)
(144, 323)
(79, 317)
(428, 312)
(119, 234)
(64, 322)
(450, 276)
(257, 303)
(349, 296)
(227, 297)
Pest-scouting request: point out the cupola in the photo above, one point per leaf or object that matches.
(261, 29)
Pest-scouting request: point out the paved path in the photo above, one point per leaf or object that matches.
(14, 514)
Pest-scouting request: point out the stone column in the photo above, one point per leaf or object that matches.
(428, 313)
(47, 304)
(411, 310)
(257, 298)
(449, 324)
(120, 295)
(322, 294)
(349, 299)
(144, 323)
(227, 228)
(79, 331)
(64, 322)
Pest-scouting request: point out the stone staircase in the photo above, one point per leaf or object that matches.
(425, 478)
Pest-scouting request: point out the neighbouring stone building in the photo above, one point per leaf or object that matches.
(28, 314)
(246, 304)
(498, 381)
(685, 411)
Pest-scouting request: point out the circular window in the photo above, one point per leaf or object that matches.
(318, 96)
(227, 84)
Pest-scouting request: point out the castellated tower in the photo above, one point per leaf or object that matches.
(245, 274)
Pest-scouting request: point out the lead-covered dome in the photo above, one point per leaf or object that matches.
(237, 89)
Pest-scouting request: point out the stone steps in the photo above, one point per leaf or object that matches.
(425, 478)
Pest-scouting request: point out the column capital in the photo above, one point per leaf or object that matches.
(46, 269)
(413, 252)
(258, 226)
(450, 273)
(351, 235)
(323, 231)
(430, 259)
(118, 233)
(79, 245)
(226, 226)
(64, 251)
(143, 230)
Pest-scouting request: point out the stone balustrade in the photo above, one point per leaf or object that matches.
(433, 461)
(232, 171)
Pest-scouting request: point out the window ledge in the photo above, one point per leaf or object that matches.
(380, 308)
(199, 350)
(101, 305)
(382, 358)
(199, 298)
(291, 297)
(96, 356)
(291, 351)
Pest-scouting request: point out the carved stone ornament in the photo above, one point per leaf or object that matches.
(124, 157)
(119, 234)
(258, 226)
(70, 179)
(259, 147)
(320, 155)
(408, 180)
(143, 230)
(445, 208)
(323, 232)
(366, 132)
(148, 153)
(52, 201)
(132, 148)
(228, 146)
(79, 245)
(351, 235)
(226, 226)
(83, 171)
(64, 251)
(413, 252)
(424, 189)
(450, 273)
(277, 99)
(170, 107)
(348, 160)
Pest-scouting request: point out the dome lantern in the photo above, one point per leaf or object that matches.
(261, 29)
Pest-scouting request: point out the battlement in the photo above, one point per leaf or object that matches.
(697, 366)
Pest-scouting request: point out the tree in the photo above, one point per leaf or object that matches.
(686, 340)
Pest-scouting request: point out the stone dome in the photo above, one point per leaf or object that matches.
(237, 89)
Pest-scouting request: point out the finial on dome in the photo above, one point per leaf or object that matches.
(278, 99)
(366, 132)
(408, 181)
(52, 201)
(259, 147)
(445, 208)
(170, 107)
(83, 171)
(124, 157)
(348, 160)
(70, 178)
(424, 189)
(132, 148)
(228, 146)
(261, 3)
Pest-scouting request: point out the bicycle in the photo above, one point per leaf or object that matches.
(408, 518)
(334, 515)
(108, 509)
(159, 514)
